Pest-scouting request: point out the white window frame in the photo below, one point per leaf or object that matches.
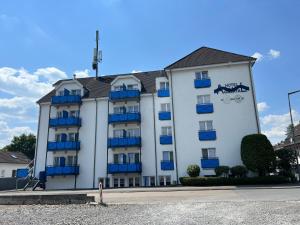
(165, 107)
(133, 108)
(132, 87)
(203, 99)
(202, 75)
(133, 132)
(206, 125)
(211, 153)
(166, 131)
(75, 92)
(119, 133)
(164, 85)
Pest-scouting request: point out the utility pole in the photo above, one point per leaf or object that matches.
(97, 58)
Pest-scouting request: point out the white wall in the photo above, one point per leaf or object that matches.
(232, 121)
(6, 169)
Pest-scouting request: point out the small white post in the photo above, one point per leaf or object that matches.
(100, 193)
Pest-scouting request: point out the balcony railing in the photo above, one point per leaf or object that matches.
(202, 83)
(63, 146)
(65, 122)
(66, 99)
(166, 140)
(124, 118)
(207, 135)
(124, 95)
(164, 115)
(209, 163)
(205, 108)
(124, 142)
(62, 170)
(167, 165)
(163, 93)
(124, 168)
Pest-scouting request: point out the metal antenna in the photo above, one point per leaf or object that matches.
(97, 55)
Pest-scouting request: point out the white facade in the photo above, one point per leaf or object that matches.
(234, 116)
(9, 169)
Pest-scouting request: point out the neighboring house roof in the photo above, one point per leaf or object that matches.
(208, 56)
(14, 158)
(287, 142)
(100, 87)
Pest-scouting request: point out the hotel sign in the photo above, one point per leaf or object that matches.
(230, 88)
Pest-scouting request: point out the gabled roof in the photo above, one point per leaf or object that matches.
(100, 87)
(14, 157)
(208, 56)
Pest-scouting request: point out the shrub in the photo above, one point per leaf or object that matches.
(217, 181)
(238, 171)
(222, 171)
(193, 170)
(286, 159)
(258, 154)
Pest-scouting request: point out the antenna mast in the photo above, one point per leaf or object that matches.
(97, 58)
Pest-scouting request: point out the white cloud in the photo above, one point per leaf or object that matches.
(262, 106)
(274, 126)
(258, 56)
(274, 54)
(82, 73)
(136, 71)
(52, 74)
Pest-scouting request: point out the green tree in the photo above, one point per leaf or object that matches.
(23, 143)
(289, 131)
(286, 159)
(258, 154)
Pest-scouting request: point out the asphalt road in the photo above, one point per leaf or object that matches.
(242, 206)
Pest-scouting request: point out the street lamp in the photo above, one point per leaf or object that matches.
(293, 130)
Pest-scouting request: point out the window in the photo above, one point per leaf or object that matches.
(119, 158)
(146, 181)
(132, 87)
(152, 181)
(2, 173)
(116, 182)
(57, 137)
(133, 157)
(14, 172)
(166, 131)
(74, 113)
(168, 180)
(76, 92)
(208, 153)
(118, 88)
(161, 180)
(72, 136)
(164, 85)
(202, 75)
(133, 132)
(59, 114)
(61, 93)
(206, 125)
(133, 108)
(71, 160)
(137, 181)
(165, 107)
(118, 133)
(168, 156)
(56, 161)
(122, 182)
(119, 110)
(203, 99)
(130, 182)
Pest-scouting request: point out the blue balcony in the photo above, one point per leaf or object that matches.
(167, 165)
(165, 140)
(207, 135)
(205, 108)
(209, 163)
(66, 100)
(65, 122)
(124, 118)
(124, 168)
(63, 146)
(163, 93)
(164, 115)
(124, 142)
(204, 83)
(124, 95)
(62, 170)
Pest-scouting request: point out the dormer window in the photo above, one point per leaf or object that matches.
(76, 92)
(132, 87)
(164, 85)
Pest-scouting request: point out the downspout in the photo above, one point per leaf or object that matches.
(95, 143)
(37, 142)
(254, 98)
(155, 147)
(173, 116)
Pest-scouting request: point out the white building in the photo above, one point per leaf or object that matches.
(10, 162)
(144, 129)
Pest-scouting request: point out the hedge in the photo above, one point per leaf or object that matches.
(222, 181)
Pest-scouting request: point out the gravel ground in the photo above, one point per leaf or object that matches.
(225, 212)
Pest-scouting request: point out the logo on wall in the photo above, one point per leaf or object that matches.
(229, 89)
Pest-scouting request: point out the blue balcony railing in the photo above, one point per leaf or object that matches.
(202, 83)
(63, 146)
(124, 118)
(167, 165)
(207, 135)
(124, 142)
(166, 140)
(205, 108)
(67, 99)
(124, 168)
(62, 170)
(163, 93)
(65, 122)
(164, 115)
(124, 95)
(209, 163)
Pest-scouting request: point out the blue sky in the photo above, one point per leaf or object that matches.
(43, 42)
